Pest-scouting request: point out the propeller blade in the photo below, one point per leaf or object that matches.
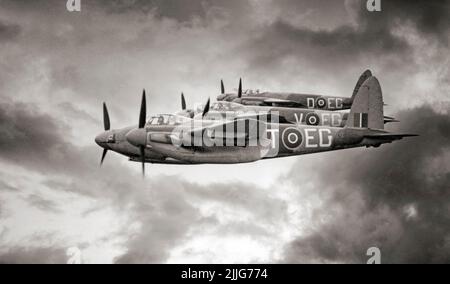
(106, 122)
(240, 88)
(142, 150)
(183, 102)
(103, 156)
(206, 109)
(222, 87)
(143, 112)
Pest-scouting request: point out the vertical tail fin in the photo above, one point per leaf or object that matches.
(364, 76)
(367, 107)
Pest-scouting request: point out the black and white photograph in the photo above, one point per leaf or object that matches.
(224, 132)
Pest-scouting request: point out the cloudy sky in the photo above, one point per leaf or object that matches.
(56, 68)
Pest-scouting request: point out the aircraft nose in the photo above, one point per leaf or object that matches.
(102, 139)
(137, 137)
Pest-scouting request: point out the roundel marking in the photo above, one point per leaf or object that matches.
(292, 138)
(312, 119)
(321, 102)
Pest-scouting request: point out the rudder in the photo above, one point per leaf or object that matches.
(367, 107)
(364, 76)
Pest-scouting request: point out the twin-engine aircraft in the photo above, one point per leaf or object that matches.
(295, 100)
(244, 137)
(293, 107)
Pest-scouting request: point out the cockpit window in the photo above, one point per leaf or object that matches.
(226, 106)
(167, 119)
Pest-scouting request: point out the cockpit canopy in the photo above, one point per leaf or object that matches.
(216, 109)
(222, 110)
(167, 119)
(226, 106)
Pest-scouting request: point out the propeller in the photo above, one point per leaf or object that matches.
(183, 102)
(107, 126)
(222, 88)
(142, 117)
(103, 156)
(142, 152)
(206, 109)
(143, 112)
(106, 122)
(240, 88)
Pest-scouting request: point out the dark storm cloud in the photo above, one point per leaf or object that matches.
(182, 11)
(8, 31)
(323, 47)
(33, 255)
(396, 198)
(40, 143)
(372, 35)
(32, 139)
(429, 17)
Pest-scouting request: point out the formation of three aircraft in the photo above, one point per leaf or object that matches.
(250, 126)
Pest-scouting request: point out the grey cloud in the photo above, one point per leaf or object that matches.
(376, 212)
(8, 31)
(6, 186)
(342, 45)
(370, 193)
(43, 203)
(371, 37)
(74, 112)
(168, 216)
(39, 143)
(33, 139)
(181, 11)
(33, 255)
(165, 217)
(430, 18)
(244, 196)
(3, 230)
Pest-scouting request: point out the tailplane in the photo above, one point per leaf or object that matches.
(388, 136)
(376, 139)
(367, 107)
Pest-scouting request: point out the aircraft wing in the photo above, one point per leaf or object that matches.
(270, 101)
(283, 102)
(387, 137)
(264, 116)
